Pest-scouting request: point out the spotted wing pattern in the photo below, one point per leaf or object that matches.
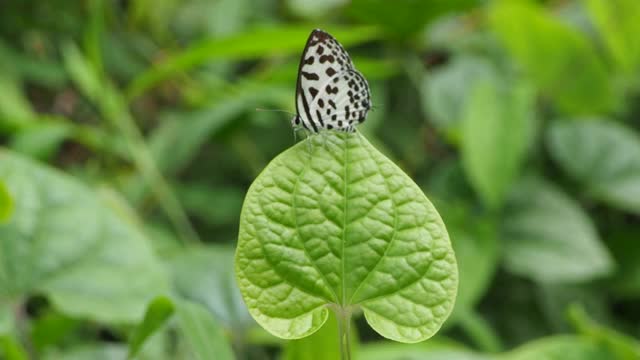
(331, 93)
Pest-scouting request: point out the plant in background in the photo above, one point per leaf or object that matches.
(336, 225)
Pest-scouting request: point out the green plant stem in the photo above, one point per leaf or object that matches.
(480, 332)
(114, 109)
(344, 331)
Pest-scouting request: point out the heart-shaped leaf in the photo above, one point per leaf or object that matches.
(332, 221)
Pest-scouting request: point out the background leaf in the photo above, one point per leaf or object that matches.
(80, 268)
(558, 347)
(205, 275)
(570, 71)
(617, 25)
(474, 242)
(497, 128)
(158, 311)
(448, 89)
(549, 238)
(6, 203)
(202, 332)
(603, 156)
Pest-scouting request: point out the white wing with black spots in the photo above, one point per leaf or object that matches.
(330, 93)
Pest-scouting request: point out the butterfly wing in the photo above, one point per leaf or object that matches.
(328, 85)
(344, 101)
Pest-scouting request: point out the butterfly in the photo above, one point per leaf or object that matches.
(330, 92)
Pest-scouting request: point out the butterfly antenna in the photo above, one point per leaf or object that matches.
(309, 140)
(276, 110)
(376, 107)
(359, 136)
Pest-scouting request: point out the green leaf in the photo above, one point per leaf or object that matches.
(6, 317)
(431, 350)
(561, 347)
(333, 221)
(603, 156)
(404, 17)
(618, 26)
(15, 109)
(549, 238)
(82, 72)
(202, 332)
(314, 9)
(497, 129)
(52, 328)
(11, 349)
(34, 69)
(570, 70)
(621, 346)
(89, 351)
(251, 44)
(448, 88)
(6, 203)
(41, 140)
(158, 311)
(64, 243)
(176, 141)
(215, 205)
(205, 275)
(475, 242)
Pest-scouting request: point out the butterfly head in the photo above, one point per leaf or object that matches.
(296, 121)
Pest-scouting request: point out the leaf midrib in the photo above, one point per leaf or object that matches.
(345, 217)
(393, 235)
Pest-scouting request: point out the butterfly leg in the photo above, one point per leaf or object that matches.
(295, 133)
(324, 140)
(359, 135)
(309, 141)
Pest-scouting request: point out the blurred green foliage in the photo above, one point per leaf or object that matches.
(129, 137)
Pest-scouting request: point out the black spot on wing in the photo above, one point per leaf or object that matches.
(325, 58)
(310, 76)
(319, 116)
(313, 91)
(331, 89)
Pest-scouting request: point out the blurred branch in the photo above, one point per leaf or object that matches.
(113, 107)
(480, 332)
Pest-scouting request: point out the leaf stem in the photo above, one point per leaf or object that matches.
(344, 331)
(480, 332)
